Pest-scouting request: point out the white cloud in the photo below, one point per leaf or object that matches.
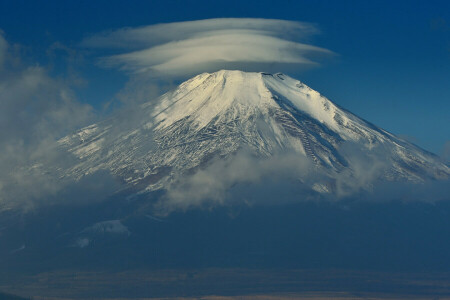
(111, 228)
(187, 48)
(108, 227)
(243, 178)
(82, 242)
(162, 33)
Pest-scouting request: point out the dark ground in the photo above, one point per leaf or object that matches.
(354, 249)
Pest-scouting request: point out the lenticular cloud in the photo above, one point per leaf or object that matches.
(185, 48)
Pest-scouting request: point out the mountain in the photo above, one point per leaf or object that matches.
(216, 115)
(206, 131)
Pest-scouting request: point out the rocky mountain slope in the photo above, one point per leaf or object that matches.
(215, 115)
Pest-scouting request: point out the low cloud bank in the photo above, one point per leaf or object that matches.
(213, 184)
(187, 48)
(290, 177)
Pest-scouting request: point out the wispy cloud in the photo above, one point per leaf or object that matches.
(187, 48)
(36, 109)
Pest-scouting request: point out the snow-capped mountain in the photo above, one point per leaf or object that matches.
(215, 115)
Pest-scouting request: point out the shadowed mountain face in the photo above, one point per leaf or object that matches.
(109, 250)
(8, 296)
(392, 236)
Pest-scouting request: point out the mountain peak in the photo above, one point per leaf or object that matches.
(209, 95)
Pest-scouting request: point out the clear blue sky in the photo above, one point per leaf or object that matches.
(393, 64)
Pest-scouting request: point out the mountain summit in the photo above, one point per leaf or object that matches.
(216, 115)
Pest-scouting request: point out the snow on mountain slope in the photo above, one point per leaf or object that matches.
(215, 115)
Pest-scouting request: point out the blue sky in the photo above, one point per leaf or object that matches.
(392, 65)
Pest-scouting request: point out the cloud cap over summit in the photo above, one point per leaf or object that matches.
(183, 49)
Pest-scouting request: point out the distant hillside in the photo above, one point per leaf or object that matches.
(5, 296)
